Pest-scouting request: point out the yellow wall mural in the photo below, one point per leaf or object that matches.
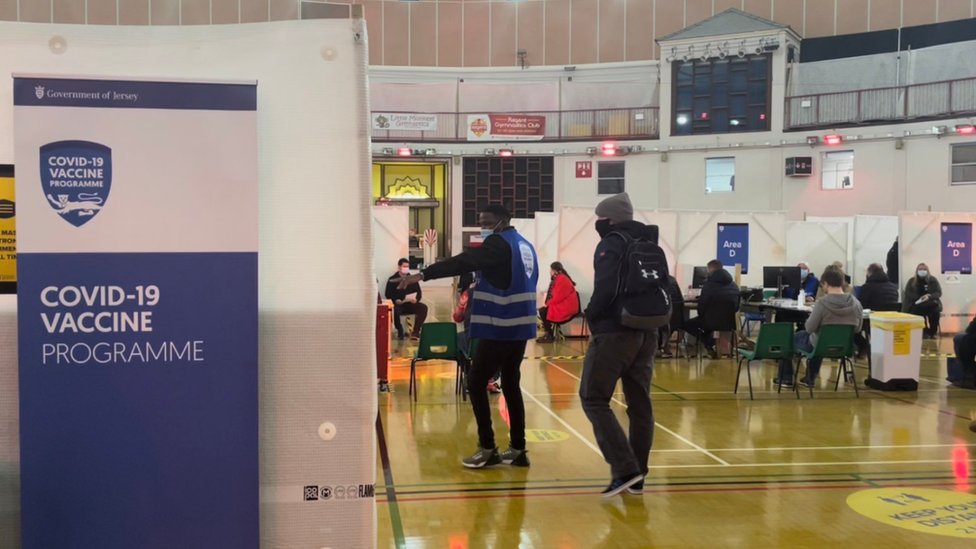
(416, 185)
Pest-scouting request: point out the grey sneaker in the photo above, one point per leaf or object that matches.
(482, 458)
(516, 458)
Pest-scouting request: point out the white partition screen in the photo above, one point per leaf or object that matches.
(698, 240)
(391, 228)
(921, 242)
(873, 236)
(317, 320)
(818, 243)
(577, 242)
(546, 245)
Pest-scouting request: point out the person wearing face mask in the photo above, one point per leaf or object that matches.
(923, 297)
(503, 319)
(406, 301)
(562, 302)
(619, 351)
(808, 281)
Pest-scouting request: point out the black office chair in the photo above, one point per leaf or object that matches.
(720, 317)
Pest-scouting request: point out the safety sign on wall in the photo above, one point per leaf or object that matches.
(957, 248)
(137, 313)
(8, 230)
(733, 245)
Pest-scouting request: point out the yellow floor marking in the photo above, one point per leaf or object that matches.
(937, 512)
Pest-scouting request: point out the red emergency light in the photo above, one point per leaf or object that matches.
(505, 152)
(404, 152)
(966, 129)
(833, 139)
(609, 149)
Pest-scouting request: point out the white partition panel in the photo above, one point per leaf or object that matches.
(526, 228)
(391, 227)
(921, 242)
(873, 236)
(547, 245)
(577, 242)
(698, 240)
(818, 243)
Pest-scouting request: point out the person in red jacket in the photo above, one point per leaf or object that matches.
(562, 302)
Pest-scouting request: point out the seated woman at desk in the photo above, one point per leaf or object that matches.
(923, 297)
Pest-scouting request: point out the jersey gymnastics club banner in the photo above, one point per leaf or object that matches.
(137, 313)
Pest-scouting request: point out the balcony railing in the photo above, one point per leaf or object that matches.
(582, 125)
(878, 105)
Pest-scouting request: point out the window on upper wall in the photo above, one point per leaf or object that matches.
(610, 177)
(837, 171)
(721, 95)
(719, 175)
(964, 164)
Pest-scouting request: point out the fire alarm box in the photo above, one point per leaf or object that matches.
(799, 166)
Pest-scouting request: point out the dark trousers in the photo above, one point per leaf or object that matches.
(419, 310)
(695, 327)
(930, 310)
(493, 356)
(628, 357)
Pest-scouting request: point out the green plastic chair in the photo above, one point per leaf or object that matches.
(832, 342)
(438, 341)
(775, 342)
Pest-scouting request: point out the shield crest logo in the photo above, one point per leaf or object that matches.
(76, 177)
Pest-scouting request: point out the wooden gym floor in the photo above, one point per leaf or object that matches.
(725, 472)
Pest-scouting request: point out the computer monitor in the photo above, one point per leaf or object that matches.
(699, 277)
(781, 277)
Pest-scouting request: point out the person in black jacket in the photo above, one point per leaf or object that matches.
(618, 353)
(892, 262)
(878, 293)
(677, 318)
(406, 301)
(719, 287)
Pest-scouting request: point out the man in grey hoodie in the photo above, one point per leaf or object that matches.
(835, 308)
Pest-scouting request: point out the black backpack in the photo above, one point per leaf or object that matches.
(642, 287)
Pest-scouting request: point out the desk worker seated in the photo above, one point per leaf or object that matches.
(964, 345)
(407, 301)
(808, 281)
(718, 288)
(877, 294)
(836, 308)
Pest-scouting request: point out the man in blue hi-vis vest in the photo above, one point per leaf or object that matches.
(503, 319)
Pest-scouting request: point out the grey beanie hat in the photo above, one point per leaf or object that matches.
(617, 208)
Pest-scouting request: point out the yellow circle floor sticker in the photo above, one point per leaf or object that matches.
(937, 512)
(545, 435)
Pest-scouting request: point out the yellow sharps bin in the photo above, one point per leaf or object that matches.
(896, 351)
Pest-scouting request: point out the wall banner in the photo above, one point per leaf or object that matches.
(506, 127)
(733, 245)
(957, 248)
(137, 313)
(8, 231)
(404, 121)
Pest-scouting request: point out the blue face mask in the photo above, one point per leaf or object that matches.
(485, 233)
(804, 273)
(923, 274)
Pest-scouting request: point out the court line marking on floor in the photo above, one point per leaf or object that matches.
(563, 422)
(659, 426)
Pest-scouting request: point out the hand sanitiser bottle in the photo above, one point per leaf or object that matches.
(801, 298)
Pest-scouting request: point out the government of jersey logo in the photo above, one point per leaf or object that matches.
(39, 92)
(76, 177)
